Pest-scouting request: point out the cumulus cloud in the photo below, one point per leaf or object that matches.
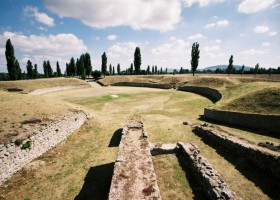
(196, 36)
(160, 15)
(273, 33)
(261, 29)
(265, 44)
(112, 37)
(38, 48)
(220, 23)
(253, 6)
(39, 17)
(122, 49)
(176, 47)
(201, 3)
(211, 48)
(253, 52)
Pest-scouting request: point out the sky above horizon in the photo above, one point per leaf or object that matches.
(163, 29)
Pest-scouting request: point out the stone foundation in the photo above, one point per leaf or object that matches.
(134, 175)
(210, 93)
(14, 156)
(149, 85)
(264, 159)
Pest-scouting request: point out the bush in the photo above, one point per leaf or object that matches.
(96, 74)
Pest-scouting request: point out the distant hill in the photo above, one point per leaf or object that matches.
(237, 67)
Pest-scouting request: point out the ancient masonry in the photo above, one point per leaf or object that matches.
(14, 156)
(134, 176)
(262, 158)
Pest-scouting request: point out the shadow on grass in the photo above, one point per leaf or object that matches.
(254, 131)
(194, 184)
(267, 183)
(116, 138)
(97, 183)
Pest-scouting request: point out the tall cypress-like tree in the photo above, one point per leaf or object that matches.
(68, 72)
(156, 71)
(58, 70)
(104, 64)
(137, 60)
(119, 69)
(148, 69)
(113, 70)
(230, 66)
(49, 68)
(72, 67)
(45, 67)
(35, 71)
(153, 69)
(13, 67)
(29, 69)
(195, 57)
(256, 69)
(110, 69)
(242, 70)
(82, 66)
(87, 64)
(131, 69)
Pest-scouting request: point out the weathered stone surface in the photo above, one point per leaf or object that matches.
(159, 148)
(211, 182)
(263, 158)
(14, 157)
(134, 175)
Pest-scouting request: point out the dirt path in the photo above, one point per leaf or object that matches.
(55, 89)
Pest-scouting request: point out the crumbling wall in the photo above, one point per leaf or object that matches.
(134, 175)
(150, 85)
(210, 93)
(262, 158)
(14, 156)
(257, 121)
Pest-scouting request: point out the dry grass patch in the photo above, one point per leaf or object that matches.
(30, 85)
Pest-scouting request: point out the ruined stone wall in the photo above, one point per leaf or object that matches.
(134, 175)
(150, 85)
(264, 159)
(13, 157)
(269, 123)
(210, 93)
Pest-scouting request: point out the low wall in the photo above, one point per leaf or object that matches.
(134, 175)
(150, 85)
(269, 123)
(210, 93)
(262, 158)
(13, 157)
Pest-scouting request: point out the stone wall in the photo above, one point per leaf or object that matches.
(134, 175)
(150, 85)
(269, 123)
(14, 156)
(210, 93)
(262, 158)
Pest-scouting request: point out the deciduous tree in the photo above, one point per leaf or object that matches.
(137, 60)
(195, 57)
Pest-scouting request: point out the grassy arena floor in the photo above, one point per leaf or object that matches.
(83, 164)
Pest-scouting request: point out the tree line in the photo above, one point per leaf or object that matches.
(82, 67)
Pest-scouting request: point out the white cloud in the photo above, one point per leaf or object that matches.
(211, 48)
(201, 2)
(39, 17)
(223, 23)
(160, 15)
(252, 6)
(112, 37)
(38, 48)
(218, 41)
(42, 28)
(196, 36)
(273, 33)
(265, 44)
(211, 25)
(261, 29)
(122, 49)
(176, 47)
(253, 52)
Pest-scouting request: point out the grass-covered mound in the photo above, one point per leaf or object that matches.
(256, 97)
(27, 86)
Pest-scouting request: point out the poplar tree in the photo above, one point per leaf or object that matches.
(104, 64)
(256, 69)
(110, 69)
(29, 69)
(45, 68)
(137, 60)
(87, 64)
(195, 57)
(119, 69)
(58, 70)
(230, 66)
(242, 70)
(49, 68)
(131, 69)
(72, 67)
(35, 72)
(13, 66)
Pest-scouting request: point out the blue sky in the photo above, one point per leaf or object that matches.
(163, 29)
